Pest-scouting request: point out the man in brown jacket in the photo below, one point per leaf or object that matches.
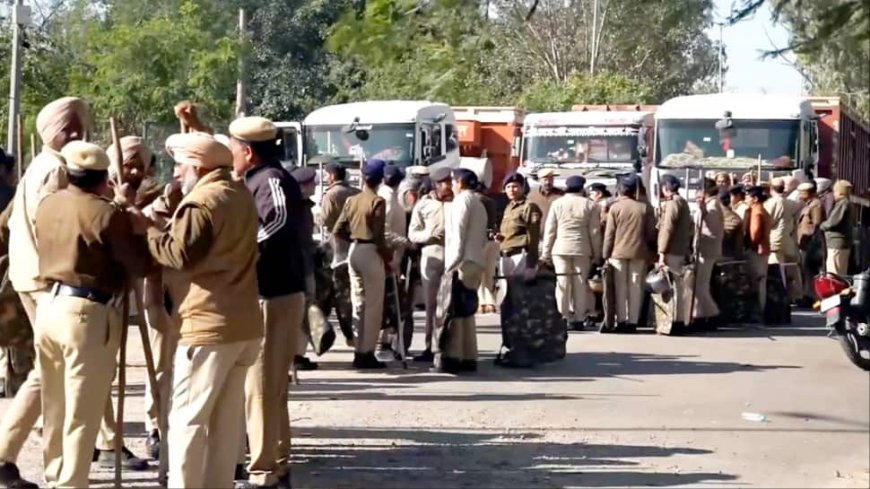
(629, 241)
(810, 238)
(546, 193)
(758, 225)
(212, 246)
(675, 242)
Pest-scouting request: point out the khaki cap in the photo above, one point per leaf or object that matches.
(253, 129)
(198, 149)
(806, 187)
(546, 172)
(80, 155)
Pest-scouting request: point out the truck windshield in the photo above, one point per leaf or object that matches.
(393, 143)
(697, 142)
(580, 144)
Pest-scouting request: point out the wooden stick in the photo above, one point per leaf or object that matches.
(122, 384)
(119, 155)
(32, 146)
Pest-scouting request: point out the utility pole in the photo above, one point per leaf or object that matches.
(240, 84)
(721, 57)
(20, 18)
(594, 37)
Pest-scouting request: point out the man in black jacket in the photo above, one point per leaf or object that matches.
(281, 281)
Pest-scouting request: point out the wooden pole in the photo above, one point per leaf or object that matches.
(32, 146)
(125, 315)
(240, 84)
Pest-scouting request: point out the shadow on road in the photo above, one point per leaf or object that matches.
(435, 459)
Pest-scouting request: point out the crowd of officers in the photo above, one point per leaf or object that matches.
(220, 262)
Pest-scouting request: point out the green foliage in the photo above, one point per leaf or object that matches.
(553, 96)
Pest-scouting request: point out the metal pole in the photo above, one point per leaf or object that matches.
(721, 58)
(15, 79)
(594, 36)
(240, 84)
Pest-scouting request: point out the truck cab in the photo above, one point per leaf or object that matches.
(773, 135)
(600, 143)
(290, 134)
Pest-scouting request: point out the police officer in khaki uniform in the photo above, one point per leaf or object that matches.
(712, 226)
(546, 193)
(465, 223)
(85, 246)
(58, 123)
(213, 244)
(363, 222)
(330, 208)
(281, 238)
(675, 243)
(520, 234)
(427, 231)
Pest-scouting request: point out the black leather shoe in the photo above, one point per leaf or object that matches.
(679, 329)
(153, 445)
(284, 482)
(446, 365)
(106, 460)
(303, 363)
(10, 477)
(241, 474)
(425, 357)
(468, 366)
(577, 325)
(367, 361)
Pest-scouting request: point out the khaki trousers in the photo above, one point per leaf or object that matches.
(367, 280)
(462, 336)
(572, 293)
(838, 261)
(705, 306)
(76, 344)
(266, 389)
(208, 400)
(486, 291)
(758, 272)
(163, 347)
(676, 264)
(628, 282)
(431, 270)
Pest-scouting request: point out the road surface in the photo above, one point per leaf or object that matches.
(640, 410)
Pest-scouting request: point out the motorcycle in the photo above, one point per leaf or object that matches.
(845, 304)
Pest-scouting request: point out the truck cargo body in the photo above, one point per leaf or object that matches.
(844, 144)
(493, 134)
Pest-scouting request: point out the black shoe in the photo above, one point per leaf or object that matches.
(153, 445)
(468, 366)
(284, 482)
(10, 477)
(577, 325)
(303, 363)
(446, 365)
(426, 357)
(679, 329)
(106, 460)
(241, 474)
(367, 361)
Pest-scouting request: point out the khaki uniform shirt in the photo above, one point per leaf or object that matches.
(427, 227)
(573, 228)
(333, 202)
(465, 224)
(86, 241)
(521, 229)
(712, 229)
(363, 218)
(544, 200)
(676, 229)
(630, 233)
(812, 217)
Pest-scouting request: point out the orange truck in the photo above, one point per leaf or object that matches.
(489, 141)
(843, 143)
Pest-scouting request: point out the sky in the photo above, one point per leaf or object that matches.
(744, 45)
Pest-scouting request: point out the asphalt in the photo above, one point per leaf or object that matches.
(639, 410)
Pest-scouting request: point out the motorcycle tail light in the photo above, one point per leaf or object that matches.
(828, 285)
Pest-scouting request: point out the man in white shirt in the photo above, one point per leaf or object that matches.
(464, 263)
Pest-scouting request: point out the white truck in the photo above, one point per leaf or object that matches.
(406, 133)
(735, 133)
(600, 143)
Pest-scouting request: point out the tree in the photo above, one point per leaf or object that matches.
(552, 96)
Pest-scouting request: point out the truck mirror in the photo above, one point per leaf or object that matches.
(642, 152)
(638, 166)
(361, 134)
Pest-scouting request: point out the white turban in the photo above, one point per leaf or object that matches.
(198, 149)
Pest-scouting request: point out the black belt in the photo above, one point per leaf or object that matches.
(364, 241)
(82, 293)
(512, 252)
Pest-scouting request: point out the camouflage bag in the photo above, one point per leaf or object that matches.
(533, 331)
(734, 292)
(777, 308)
(341, 300)
(317, 329)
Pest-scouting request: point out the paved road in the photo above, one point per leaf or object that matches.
(636, 410)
